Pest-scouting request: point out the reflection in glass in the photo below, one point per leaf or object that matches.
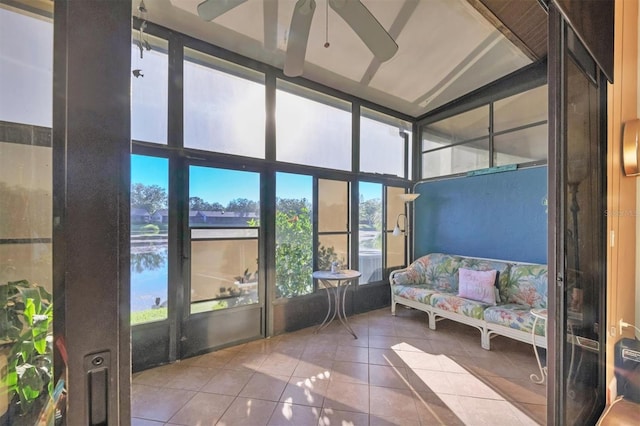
(370, 227)
(148, 261)
(583, 254)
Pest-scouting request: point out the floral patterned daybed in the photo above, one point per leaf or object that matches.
(495, 296)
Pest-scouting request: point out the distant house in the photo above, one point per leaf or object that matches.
(163, 215)
(222, 218)
(140, 215)
(195, 217)
(156, 217)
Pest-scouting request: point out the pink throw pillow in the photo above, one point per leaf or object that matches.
(477, 285)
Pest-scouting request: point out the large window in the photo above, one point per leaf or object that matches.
(385, 143)
(511, 130)
(294, 234)
(149, 238)
(149, 88)
(312, 129)
(224, 106)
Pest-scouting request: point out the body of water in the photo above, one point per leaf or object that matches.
(149, 276)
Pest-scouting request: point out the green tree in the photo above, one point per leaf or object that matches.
(148, 261)
(294, 253)
(197, 203)
(371, 212)
(243, 205)
(293, 206)
(294, 250)
(149, 197)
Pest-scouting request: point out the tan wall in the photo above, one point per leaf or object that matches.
(637, 297)
(25, 213)
(621, 190)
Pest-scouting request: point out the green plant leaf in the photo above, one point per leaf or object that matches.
(29, 311)
(30, 293)
(11, 378)
(30, 384)
(40, 344)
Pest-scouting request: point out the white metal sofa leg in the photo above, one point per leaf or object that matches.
(485, 339)
(432, 319)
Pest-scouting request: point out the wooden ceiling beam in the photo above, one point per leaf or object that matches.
(496, 11)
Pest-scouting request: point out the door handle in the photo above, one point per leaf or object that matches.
(97, 372)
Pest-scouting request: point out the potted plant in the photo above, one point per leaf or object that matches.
(246, 277)
(25, 333)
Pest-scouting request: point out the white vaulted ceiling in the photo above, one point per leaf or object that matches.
(446, 47)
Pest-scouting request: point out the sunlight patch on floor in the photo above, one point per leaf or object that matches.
(467, 396)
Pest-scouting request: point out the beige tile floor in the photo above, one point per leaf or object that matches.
(398, 372)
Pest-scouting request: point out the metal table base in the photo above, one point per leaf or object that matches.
(336, 282)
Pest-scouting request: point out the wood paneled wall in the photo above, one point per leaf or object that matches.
(621, 190)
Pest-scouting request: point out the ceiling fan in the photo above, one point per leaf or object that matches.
(355, 14)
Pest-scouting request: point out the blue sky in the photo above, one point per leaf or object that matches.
(223, 185)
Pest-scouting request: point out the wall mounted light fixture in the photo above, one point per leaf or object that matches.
(407, 198)
(396, 231)
(630, 147)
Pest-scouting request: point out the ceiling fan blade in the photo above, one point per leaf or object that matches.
(367, 27)
(211, 9)
(298, 37)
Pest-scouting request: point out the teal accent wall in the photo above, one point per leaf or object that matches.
(494, 215)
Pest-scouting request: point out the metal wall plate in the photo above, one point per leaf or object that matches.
(630, 136)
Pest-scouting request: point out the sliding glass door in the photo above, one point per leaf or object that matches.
(577, 186)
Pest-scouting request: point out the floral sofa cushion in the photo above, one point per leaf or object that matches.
(453, 303)
(514, 316)
(440, 271)
(420, 293)
(526, 285)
